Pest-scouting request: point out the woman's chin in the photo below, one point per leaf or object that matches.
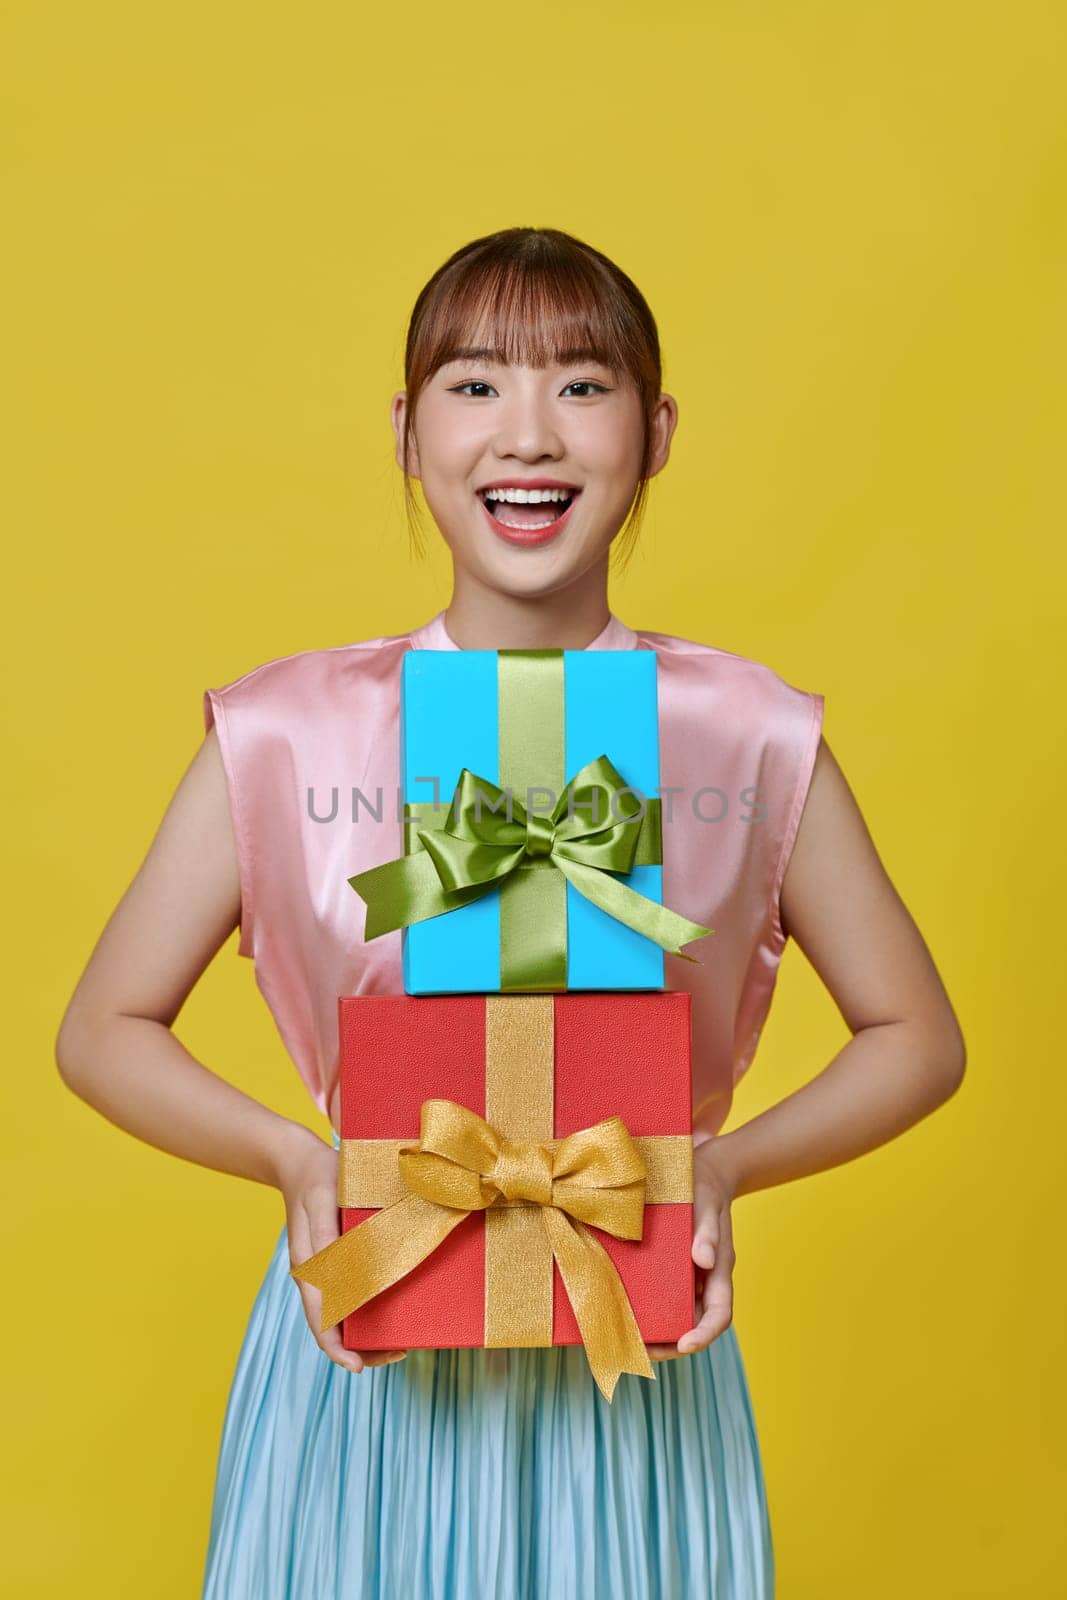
(524, 569)
(527, 573)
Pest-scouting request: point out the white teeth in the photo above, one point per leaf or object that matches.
(528, 526)
(522, 497)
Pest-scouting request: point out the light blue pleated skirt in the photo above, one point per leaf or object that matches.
(481, 1474)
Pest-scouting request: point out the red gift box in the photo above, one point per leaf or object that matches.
(535, 1068)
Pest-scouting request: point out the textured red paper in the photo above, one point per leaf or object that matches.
(615, 1054)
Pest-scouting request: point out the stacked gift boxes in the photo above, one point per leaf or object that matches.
(516, 1147)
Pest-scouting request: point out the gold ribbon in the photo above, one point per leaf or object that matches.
(540, 1196)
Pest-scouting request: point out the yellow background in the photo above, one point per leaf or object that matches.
(849, 220)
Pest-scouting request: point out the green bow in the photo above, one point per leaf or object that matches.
(597, 827)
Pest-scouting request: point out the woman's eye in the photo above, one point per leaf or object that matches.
(586, 385)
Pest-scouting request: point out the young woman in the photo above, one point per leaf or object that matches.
(534, 418)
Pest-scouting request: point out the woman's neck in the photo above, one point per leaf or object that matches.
(480, 618)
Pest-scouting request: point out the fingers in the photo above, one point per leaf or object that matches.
(707, 1205)
(718, 1314)
(382, 1358)
(324, 1219)
(331, 1343)
(663, 1352)
(718, 1297)
(313, 1221)
(312, 1226)
(713, 1257)
(307, 1234)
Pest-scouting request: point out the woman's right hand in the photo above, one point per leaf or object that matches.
(307, 1178)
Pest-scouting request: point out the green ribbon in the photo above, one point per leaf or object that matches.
(597, 827)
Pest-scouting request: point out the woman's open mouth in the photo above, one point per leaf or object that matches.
(528, 516)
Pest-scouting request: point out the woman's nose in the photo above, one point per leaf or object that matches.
(527, 430)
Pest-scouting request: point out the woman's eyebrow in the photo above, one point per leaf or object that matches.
(563, 358)
(474, 353)
(566, 358)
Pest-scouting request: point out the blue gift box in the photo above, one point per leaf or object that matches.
(450, 720)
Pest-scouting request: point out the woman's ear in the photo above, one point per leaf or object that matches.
(397, 413)
(664, 421)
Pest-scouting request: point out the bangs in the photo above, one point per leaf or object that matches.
(534, 314)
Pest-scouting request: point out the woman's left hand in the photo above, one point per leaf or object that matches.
(713, 1252)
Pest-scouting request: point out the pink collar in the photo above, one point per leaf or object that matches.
(433, 635)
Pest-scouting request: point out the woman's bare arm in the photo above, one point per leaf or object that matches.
(906, 1055)
(115, 1048)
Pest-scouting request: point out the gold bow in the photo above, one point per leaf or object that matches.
(461, 1164)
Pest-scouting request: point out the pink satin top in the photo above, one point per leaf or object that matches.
(299, 734)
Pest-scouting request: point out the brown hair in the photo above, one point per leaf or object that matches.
(536, 295)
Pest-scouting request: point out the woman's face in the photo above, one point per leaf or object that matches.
(565, 440)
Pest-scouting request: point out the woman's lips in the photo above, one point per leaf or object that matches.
(529, 536)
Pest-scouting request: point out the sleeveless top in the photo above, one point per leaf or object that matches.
(310, 744)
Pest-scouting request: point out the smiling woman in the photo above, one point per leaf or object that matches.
(534, 419)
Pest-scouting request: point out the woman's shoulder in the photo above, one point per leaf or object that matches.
(306, 671)
(752, 682)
